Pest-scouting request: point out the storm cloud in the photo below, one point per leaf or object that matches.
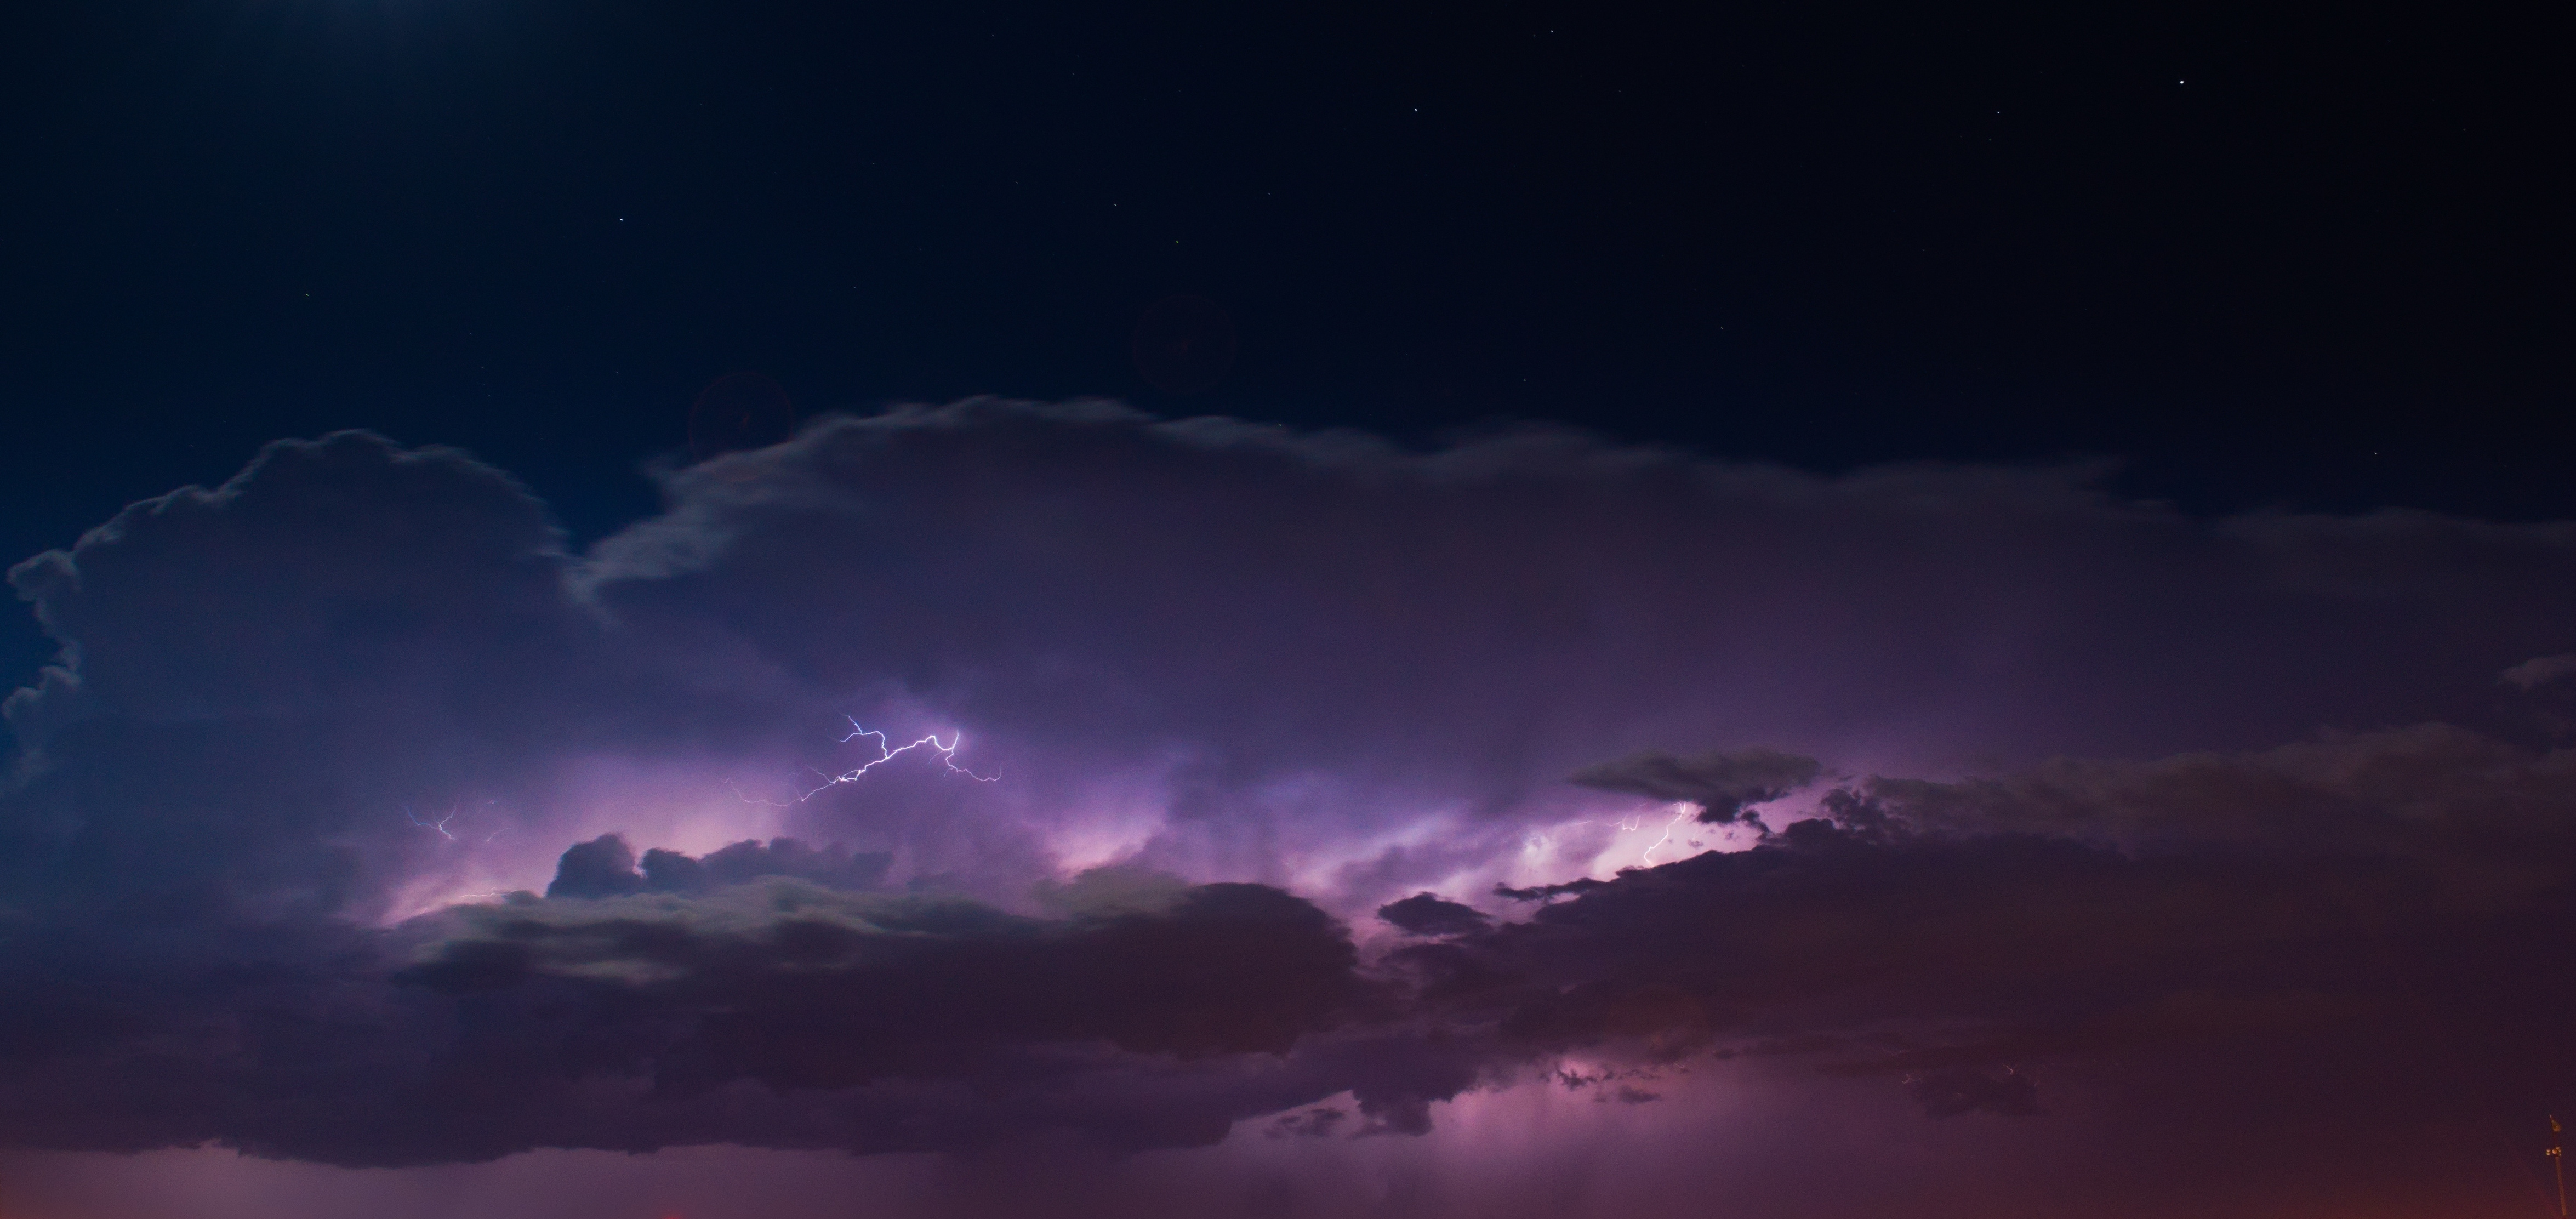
(2119, 808)
(1721, 784)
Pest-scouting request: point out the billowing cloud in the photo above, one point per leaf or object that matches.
(271, 848)
(1269, 653)
(2217, 941)
(606, 867)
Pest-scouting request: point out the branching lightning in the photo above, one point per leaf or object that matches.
(1681, 812)
(439, 825)
(947, 756)
(887, 751)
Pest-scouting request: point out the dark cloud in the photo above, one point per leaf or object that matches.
(2211, 939)
(1721, 784)
(1119, 609)
(334, 575)
(1081, 583)
(601, 867)
(1307, 1124)
(809, 988)
(1540, 893)
(606, 867)
(241, 665)
(1431, 914)
(1242, 663)
(778, 1011)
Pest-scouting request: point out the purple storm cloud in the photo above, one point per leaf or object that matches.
(362, 824)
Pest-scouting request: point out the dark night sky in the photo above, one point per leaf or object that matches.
(2092, 463)
(2266, 257)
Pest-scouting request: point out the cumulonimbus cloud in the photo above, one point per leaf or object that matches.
(281, 700)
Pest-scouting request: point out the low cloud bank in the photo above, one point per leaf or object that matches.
(1249, 668)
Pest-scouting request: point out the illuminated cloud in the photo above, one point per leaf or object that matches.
(1722, 785)
(1292, 690)
(2540, 671)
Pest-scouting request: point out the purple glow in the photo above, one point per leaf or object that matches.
(1969, 822)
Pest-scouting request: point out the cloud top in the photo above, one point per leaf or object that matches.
(2170, 819)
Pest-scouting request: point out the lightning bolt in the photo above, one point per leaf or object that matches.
(1539, 840)
(439, 825)
(887, 751)
(1680, 813)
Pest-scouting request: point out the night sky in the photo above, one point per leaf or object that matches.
(654, 611)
